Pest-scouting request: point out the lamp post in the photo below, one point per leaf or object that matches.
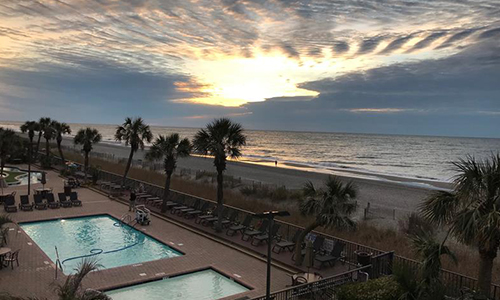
(30, 154)
(270, 216)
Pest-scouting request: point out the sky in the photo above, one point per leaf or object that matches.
(395, 67)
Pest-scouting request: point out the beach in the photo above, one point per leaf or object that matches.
(390, 197)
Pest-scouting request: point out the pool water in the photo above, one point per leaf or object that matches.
(201, 285)
(102, 237)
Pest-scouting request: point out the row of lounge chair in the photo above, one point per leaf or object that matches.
(40, 203)
(205, 213)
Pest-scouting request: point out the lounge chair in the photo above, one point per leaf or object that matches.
(195, 206)
(228, 221)
(208, 214)
(73, 197)
(63, 201)
(195, 213)
(251, 232)
(214, 218)
(25, 203)
(287, 245)
(332, 257)
(39, 203)
(317, 244)
(264, 237)
(181, 205)
(9, 204)
(51, 201)
(232, 230)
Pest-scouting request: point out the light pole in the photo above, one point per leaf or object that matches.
(270, 216)
(29, 166)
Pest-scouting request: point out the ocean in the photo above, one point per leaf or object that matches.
(417, 157)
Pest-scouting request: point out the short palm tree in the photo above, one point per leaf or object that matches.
(472, 210)
(60, 129)
(4, 219)
(169, 148)
(331, 206)
(431, 251)
(134, 132)
(87, 138)
(72, 287)
(43, 123)
(221, 139)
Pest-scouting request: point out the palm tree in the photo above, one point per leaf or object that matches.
(169, 148)
(430, 286)
(48, 134)
(331, 206)
(30, 127)
(4, 219)
(87, 138)
(60, 129)
(472, 210)
(7, 145)
(134, 133)
(220, 139)
(72, 287)
(43, 123)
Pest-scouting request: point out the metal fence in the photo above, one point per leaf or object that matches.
(454, 282)
(322, 289)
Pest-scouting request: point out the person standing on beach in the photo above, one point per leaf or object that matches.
(131, 206)
(275, 163)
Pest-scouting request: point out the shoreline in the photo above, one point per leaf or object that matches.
(390, 198)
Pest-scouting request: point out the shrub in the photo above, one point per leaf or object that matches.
(279, 194)
(385, 288)
(414, 224)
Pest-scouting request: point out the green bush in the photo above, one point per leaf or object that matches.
(385, 288)
(46, 162)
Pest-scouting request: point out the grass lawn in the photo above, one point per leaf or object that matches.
(11, 177)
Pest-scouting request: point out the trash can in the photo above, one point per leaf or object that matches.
(363, 258)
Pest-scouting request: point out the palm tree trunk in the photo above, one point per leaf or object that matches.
(127, 168)
(47, 148)
(486, 258)
(166, 191)
(220, 198)
(60, 152)
(38, 143)
(86, 165)
(300, 240)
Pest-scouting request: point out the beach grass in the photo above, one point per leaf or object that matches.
(386, 239)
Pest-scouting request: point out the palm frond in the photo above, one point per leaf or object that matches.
(440, 208)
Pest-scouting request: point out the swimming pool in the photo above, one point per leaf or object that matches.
(202, 285)
(102, 237)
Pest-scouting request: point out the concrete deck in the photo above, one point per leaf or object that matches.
(35, 275)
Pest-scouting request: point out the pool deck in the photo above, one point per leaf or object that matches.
(203, 248)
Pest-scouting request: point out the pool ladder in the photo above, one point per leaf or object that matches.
(126, 219)
(58, 262)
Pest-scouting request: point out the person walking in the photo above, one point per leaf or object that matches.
(131, 206)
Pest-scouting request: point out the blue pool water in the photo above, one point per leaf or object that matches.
(201, 285)
(100, 236)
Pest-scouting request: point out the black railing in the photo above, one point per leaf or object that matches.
(321, 289)
(454, 282)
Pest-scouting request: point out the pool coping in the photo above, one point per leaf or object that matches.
(113, 217)
(53, 264)
(177, 274)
